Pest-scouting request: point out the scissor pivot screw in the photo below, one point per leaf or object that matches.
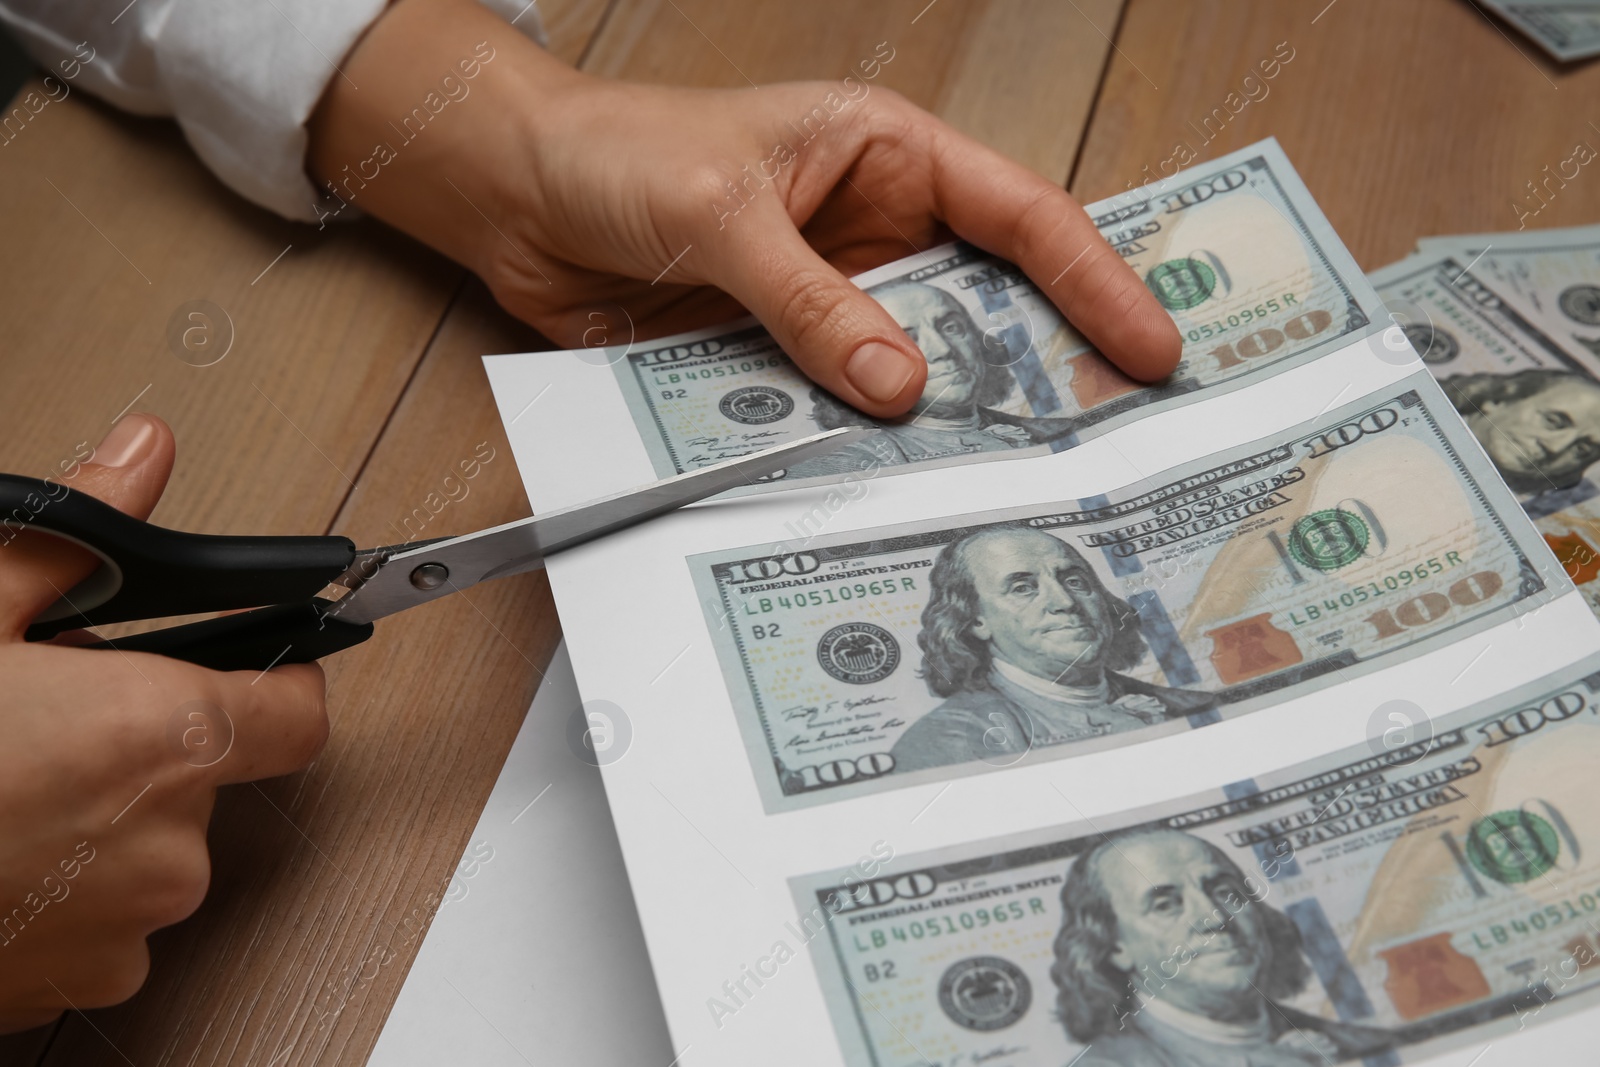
(430, 576)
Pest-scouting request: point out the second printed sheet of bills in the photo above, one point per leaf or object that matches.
(1076, 722)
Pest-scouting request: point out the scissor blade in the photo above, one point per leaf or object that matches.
(584, 522)
(439, 568)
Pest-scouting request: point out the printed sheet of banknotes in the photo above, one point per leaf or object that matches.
(1247, 719)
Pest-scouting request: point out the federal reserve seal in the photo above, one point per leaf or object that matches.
(1329, 539)
(1513, 846)
(985, 993)
(756, 404)
(1432, 344)
(1181, 284)
(858, 653)
(1581, 303)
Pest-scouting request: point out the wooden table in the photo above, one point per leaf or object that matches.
(352, 387)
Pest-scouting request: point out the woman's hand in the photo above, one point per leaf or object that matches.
(110, 764)
(571, 195)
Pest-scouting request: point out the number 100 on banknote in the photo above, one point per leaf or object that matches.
(921, 652)
(1376, 905)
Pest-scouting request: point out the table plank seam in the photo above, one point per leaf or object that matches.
(399, 398)
(1099, 89)
(599, 30)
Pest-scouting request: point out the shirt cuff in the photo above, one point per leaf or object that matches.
(243, 79)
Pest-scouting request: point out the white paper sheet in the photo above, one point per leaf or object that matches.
(536, 954)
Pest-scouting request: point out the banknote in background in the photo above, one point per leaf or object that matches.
(1234, 249)
(957, 645)
(1533, 403)
(1568, 30)
(1553, 276)
(1382, 903)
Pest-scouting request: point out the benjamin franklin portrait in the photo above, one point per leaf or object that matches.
(1025, 644)
(954, 416)
(1166, 958)
(1540, 427)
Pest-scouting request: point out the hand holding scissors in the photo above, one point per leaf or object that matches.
(148, 572)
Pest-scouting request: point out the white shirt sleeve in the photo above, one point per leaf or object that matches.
(240, 76)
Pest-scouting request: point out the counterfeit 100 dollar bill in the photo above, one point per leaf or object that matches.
(1436, 886)
(1235, 250)
(920, 652)
(1552, 277)
(1568, 31)
(1522, 373)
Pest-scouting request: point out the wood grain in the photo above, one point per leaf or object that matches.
(1404, 119)
(1019, 75)
(28, 1046)
(112, 226)
(571, 25)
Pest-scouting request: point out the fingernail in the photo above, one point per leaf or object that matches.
(880, 372)
(127, 443)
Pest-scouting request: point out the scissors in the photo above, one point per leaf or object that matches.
(149, 572)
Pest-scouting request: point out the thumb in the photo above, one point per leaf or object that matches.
(839, 336)
(127, 470)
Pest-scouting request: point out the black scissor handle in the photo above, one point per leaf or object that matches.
(252, 640)
(149, 572)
